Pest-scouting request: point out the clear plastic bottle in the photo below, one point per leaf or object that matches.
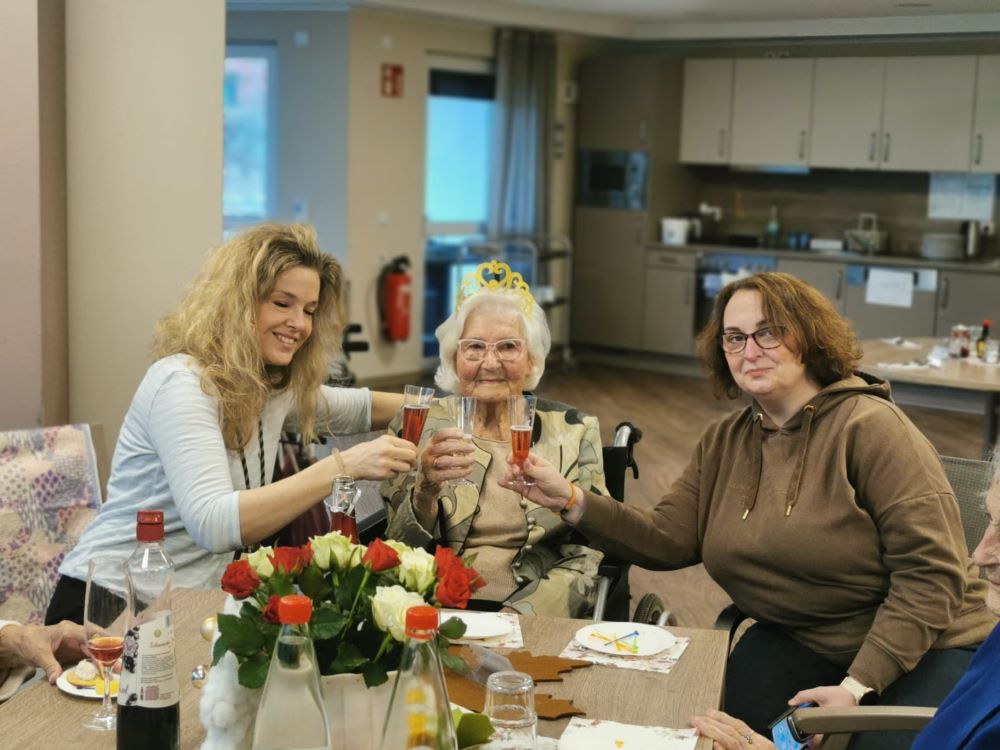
(149, 693)
(292, 715)
(341, 504)
(419, 716)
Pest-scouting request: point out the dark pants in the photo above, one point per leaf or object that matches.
(67, 601)
(768, 667)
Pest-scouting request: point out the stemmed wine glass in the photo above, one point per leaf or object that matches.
(104, 628)
(416, 407)
(521, 414)
(463, 409)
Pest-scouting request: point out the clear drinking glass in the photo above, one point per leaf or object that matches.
(463, 411)
(416, 407)
(510, 704)
(104, 628)
(521, 413)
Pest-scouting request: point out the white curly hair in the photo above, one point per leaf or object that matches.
(502, 303)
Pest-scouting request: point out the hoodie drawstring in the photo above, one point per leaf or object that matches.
(793, 486)
(756, 466)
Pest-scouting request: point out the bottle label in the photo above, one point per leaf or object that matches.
(149, 670)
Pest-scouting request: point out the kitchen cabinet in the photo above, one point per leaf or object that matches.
(617, 103)
(878, 321)
(986, 131)
(829, 278)
(706, 114)
(669, 309)
(771, 105)
(966, 298)
(927, 113)
(846, 124)
(608, 277)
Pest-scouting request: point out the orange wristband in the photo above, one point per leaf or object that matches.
(572, 499)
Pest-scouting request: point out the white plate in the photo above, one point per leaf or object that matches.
(63, 683)
(479, 625)
(625, 638)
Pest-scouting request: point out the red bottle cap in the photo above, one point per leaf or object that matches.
(295, 609)
(421, 619)
(987, 322)
(149, 526)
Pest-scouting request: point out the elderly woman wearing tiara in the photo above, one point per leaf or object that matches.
(493, 347)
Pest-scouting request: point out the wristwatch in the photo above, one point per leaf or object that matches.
(863, 695)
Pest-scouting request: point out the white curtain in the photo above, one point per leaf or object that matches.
(524, 94)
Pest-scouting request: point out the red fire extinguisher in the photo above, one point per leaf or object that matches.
(394, 299)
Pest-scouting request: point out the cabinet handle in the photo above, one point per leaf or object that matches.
(886, 142)
(802, 145)
(979, 149)
(840, 285)
(722, 142)
(873, 147)
(944, 294)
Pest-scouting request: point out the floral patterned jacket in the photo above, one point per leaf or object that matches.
(555, 575)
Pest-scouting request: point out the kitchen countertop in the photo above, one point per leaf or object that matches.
(977, 265)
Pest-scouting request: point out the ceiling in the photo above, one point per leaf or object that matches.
(696, 19)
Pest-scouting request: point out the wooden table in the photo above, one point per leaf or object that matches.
(966, 385)
(41, 716)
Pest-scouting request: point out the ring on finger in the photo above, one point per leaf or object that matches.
(748, 737)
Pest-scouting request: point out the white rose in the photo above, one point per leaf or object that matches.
(389, 607)
(416, 569)
(335, 549)
(259, 562)
(399, 548)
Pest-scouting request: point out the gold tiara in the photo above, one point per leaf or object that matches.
(503, 280)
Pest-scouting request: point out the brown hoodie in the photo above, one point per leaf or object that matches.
(839, 526)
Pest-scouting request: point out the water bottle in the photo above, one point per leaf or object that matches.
(292, 715)
(341, 504)
(419, 716)
(148, 692)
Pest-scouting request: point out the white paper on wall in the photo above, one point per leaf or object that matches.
(892, 288)
(957, 195)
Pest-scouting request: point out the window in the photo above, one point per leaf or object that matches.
(248, 134)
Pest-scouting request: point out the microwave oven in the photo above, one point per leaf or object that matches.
(612, 179)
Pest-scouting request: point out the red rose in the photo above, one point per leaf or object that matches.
(287, 560)
(306, 553)
(271, 610)
(457, 586)
(380, 556)
(239, 579)
(445, 559)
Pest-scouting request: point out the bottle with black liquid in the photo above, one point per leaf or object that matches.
(149, 692)
(983, 338)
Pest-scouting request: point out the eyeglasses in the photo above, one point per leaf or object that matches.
(475, 350)
(769, 337)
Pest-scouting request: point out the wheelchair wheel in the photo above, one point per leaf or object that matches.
(649, 609)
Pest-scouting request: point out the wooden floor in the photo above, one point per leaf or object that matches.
(672, 412)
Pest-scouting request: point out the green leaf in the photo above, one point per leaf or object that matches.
(349, 587)
(253, 672)
(281, 584)
(242, 636)
(311, 582)
(375, 675)
(349, 658)
(326, 623)
(454, 663)
(452, 628)
(219, 649)
(249, 610)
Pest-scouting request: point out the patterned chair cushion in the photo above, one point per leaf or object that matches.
(49, 493)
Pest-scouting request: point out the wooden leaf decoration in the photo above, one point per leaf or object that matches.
(472, 695)
(544, 668)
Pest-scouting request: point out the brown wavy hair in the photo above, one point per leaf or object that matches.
(813, 328)
(216, 324)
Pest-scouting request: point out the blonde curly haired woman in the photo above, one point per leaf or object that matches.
(245, 352)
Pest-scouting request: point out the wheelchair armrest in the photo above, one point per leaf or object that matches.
(845, 719)
(729, 619)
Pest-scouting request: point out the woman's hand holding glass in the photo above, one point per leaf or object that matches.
(550, 489)
(381, 458)
(447, 456)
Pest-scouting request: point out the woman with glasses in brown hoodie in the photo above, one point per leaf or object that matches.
(820, 509)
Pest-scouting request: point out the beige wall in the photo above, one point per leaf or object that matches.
(385, 185)
(20, 204)
(144, 179)
(312, 115)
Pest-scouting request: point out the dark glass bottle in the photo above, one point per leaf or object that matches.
(983, 338)
(149, 693)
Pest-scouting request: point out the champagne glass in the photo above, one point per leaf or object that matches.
(104, 628)
(521, 414)
(464, 412)
(416, 407)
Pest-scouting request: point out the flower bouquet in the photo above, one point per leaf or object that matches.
(360, 597)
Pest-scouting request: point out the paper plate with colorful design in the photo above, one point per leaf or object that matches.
(625, 638)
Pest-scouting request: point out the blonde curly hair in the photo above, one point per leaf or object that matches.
(216, 324)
